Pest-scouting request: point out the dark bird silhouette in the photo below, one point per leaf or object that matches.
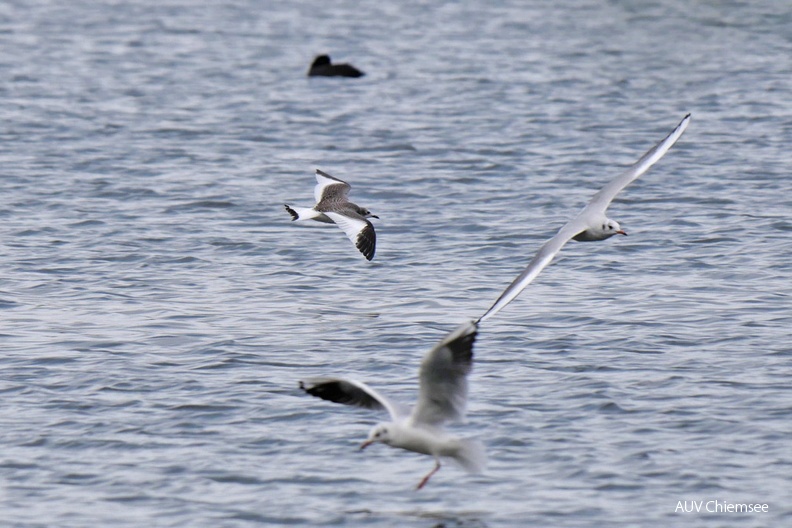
(322, 67)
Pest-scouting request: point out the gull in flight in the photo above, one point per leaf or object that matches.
(332, 207)
(590, 224)
(442, 397)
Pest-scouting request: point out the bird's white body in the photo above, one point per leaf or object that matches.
(591, 224)
(442, 398)
(469, 454)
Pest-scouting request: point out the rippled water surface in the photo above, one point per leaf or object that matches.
(158, 306)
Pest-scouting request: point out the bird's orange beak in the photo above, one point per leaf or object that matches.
(365, 444)
(621, 232)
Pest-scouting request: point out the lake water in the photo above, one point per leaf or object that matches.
(159, 307)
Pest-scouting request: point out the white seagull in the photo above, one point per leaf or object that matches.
(590, 224)
(333, 207)
(442, 397)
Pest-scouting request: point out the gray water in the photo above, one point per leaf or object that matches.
(158, 306)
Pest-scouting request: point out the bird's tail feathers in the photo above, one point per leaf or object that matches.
(300, 213)
(471, 455)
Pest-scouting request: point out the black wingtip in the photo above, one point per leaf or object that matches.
(330, 391)
(292, 212)
(367, 241)
(314, 389)
(460, 342)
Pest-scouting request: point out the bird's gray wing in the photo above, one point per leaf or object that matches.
(597, 206)
(359, 230)
(540, 261)
(600, 202)
(351, 392)
(443, 374)
(330, 188)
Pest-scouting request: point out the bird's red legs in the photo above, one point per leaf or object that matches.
(429, 475)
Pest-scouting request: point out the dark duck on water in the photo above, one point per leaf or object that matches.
(322, 67)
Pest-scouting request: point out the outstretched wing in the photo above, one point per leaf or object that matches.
(541, 260)
(359, 230)
(351, 392)
(330, 188)
(443, 374)
(600, 202)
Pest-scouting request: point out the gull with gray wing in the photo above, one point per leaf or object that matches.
(442, 398)
(590, 224)
(333, 207)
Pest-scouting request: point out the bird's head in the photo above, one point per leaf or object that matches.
(321, 60)
(380, 433)
(611, 227)
(367, 214)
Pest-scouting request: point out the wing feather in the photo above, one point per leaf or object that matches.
(359, 230)
(329, 188)
(443, 374)
(351, 392)
(600, 202)
(541, 260)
